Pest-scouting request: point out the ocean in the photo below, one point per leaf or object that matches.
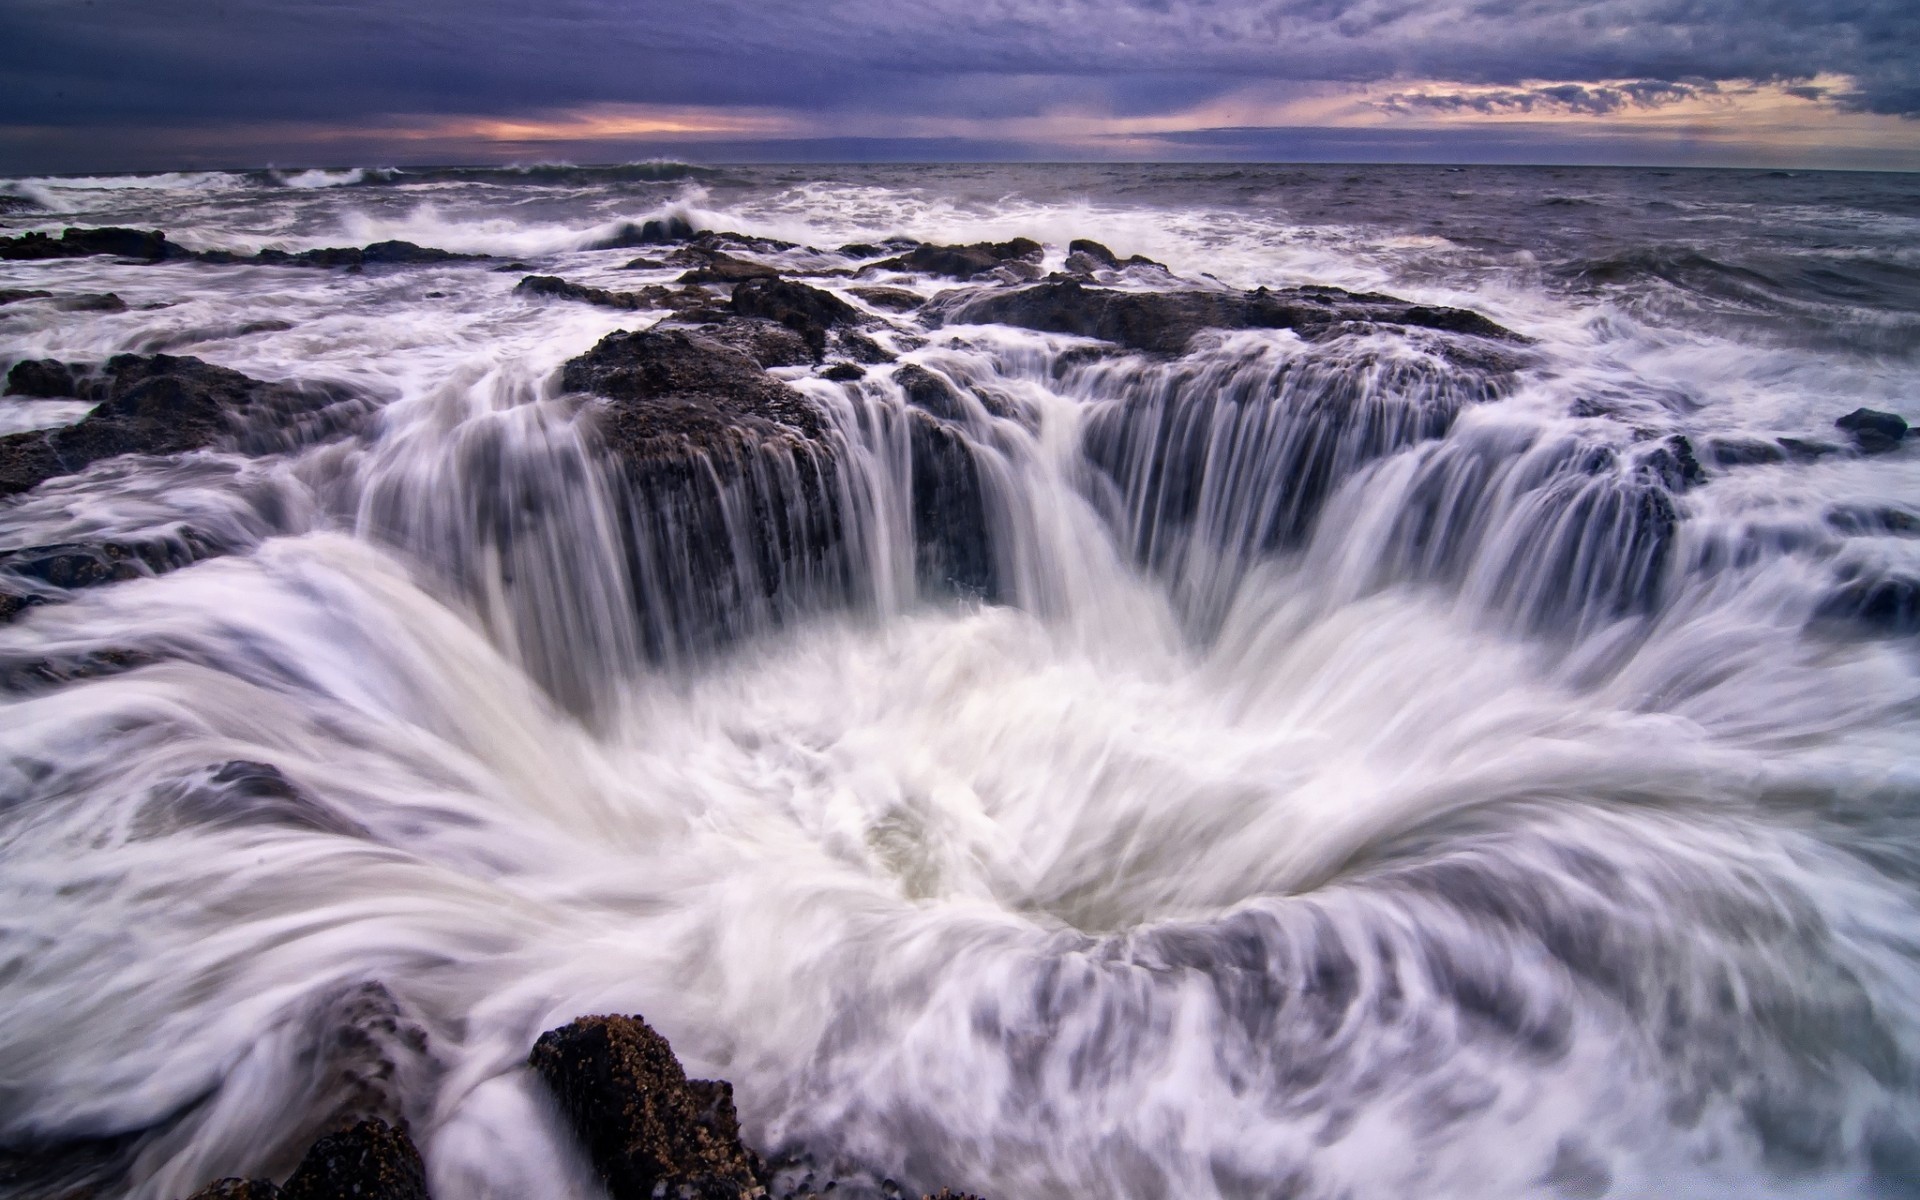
(1407, 755)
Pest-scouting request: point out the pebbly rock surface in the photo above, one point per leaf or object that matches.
(369, 1161)
(1166, 322)
(1019, 257)
(159, 404)
(648, 1130)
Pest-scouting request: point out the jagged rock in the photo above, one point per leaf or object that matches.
(1165, 322)
(676, 387)
(653, 233)
(389, 253)
(44, 378)
(721, 267)
(1872, 431)
(162, 405)
(370, 1161)
(553, 285)
(967, 262)
(807, 311)
(890, 298)
(1674, 465)
(768, 343)
(951, 545)
(861, 348)
(648, 1129)
(1093, 250)
(15, 295)
(150, 246)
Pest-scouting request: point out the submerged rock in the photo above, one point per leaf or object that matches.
(1887, 605)
(722, 267)
(648, 1129)
(86, 564)
(147, 246)
(890, 298)
(16, 295)
(160, 404)
(1874, 432)
(553, 285)
(1165, 322)
(967, 262)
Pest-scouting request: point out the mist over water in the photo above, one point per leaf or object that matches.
(1364, 767)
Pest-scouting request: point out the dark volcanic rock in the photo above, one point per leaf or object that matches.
(553, 285)
(966, 262)
(653, 233)
(729, 476)
(370, 1161)
(892, 299)
(80, 243)
(91, 302)
(807, 311)
(844, 372)
(237, 1189)
(12, 604)
(351, 257)
(43, 378)
(15, 295)
(1165, 322)
(162, 405)
(78, 564)
(721, 267)
(952, 547)
(768, 343)
(1674, 465)
(1888, 604)
(1094, 251)
(1873, 431)
(647, 1128)
(1743, 452)
(675, 386)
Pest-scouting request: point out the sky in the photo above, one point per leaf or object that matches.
(111, 85)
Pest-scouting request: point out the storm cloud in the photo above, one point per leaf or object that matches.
(128, 63)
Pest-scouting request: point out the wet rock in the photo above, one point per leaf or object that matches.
(653, 233)
(952, 549)
(648, 1129)
(767, 343)
(725, 268)
(79, 565)
(1872, 431)
(54, 670)
(1165, 322)
(970, 261)
(392, 253)
(1094, 251)
(807, 311)
(891, 299)
(44, 378)
(1807, 450)
(674, 387)
(238, 1189)
(1674, 465)
(1879, 604)
(1870, 521)
(370, 1161)
(560, 289)
(844, 372)
(1744, 452)
(150, 246)
(16, 295)
(861, 348)
(91, 302)
(159, 404)
(12, 604)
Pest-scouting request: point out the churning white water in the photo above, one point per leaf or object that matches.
(1370, 774)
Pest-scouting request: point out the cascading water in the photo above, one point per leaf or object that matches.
(1368, 765)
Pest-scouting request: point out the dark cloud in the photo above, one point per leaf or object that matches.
(126, 63)
(1594, 100)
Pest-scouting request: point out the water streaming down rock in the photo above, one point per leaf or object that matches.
(1336, 760)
